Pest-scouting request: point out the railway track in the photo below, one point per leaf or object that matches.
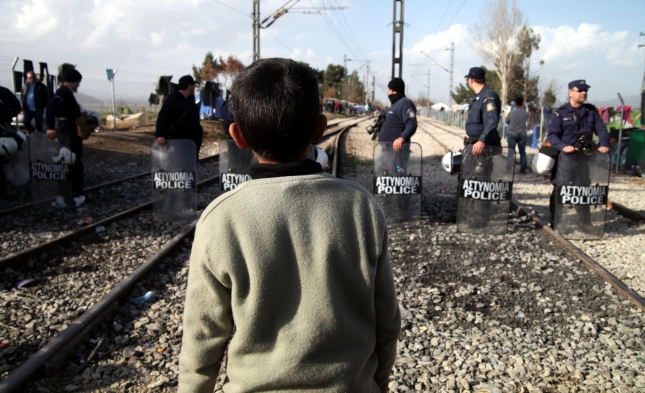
(116, 264)
(517, 311)
(520, 209)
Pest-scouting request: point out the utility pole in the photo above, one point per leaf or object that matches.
(423, 84)
(642, 94)
(397, 28)
(373, 84)
(271, 19)
(452, 70)
(345, 85)
(367, 81)
(256, 29)
(110, 75)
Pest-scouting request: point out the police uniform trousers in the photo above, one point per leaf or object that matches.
(66, 129)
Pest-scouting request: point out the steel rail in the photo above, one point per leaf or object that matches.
(63, 343)
(15, 260)
(334, 167)
(620, 286)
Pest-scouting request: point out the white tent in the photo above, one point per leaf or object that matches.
(439, 105)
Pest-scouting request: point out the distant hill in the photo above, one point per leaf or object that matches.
(85, 99)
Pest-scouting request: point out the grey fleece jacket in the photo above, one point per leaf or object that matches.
(300, 266)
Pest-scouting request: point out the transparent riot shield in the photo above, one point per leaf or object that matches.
(485, 190)
(234, 165)
(397, 182)
(174, 180)
(50, 171)
(582, 186)
(16, 169)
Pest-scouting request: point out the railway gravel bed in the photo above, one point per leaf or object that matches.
(29, 227)
(513, 311)
(621, 250)
(70, 279)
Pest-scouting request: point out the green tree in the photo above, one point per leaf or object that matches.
(549, 98)
(463, 93)
(354, 88)
(333, 76)
(529, 41)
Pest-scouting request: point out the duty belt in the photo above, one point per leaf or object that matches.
(471, 140)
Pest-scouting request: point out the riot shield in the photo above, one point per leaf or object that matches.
(485, 190)
(582, 185)
(234, 165)
(51, 170)
(397, 182)
(174, 180)
(16, 169)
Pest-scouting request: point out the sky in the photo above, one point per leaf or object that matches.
(144, 39)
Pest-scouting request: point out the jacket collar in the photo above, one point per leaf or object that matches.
(263, 171)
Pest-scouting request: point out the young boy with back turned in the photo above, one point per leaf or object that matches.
(295, 259)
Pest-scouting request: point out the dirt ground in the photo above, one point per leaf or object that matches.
(117, 148)
(121, 147)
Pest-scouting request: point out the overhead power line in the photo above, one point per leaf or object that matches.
(234, 9)
(458, 9)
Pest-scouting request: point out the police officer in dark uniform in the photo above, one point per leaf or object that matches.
(483, 113)
(572, 127)
(401, 119)
(60, 115)
(179, 115)
(481, 128)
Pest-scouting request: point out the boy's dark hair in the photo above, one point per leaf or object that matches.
(519, 101)
(275, 105)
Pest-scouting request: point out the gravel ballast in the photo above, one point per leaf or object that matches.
(515, 312)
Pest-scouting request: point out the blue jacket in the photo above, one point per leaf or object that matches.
(483, 116)
(566, 126)
(400, 121)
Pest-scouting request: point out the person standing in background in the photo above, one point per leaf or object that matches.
(516, 120)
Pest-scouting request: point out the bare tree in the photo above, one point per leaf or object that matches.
(496, 38)
(229, 68)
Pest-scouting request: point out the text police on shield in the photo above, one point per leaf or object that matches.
(174, 180)
(398, 185)
(485, 190)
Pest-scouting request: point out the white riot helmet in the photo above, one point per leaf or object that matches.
(9, 145)
(65, 156)
(322, 158)
(451, 162)
(544, 161)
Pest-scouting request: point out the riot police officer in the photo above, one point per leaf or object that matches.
(401, 119)
(572, 127)
(483, 114)
(481, 128)
(179, 115)
(60, 115)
